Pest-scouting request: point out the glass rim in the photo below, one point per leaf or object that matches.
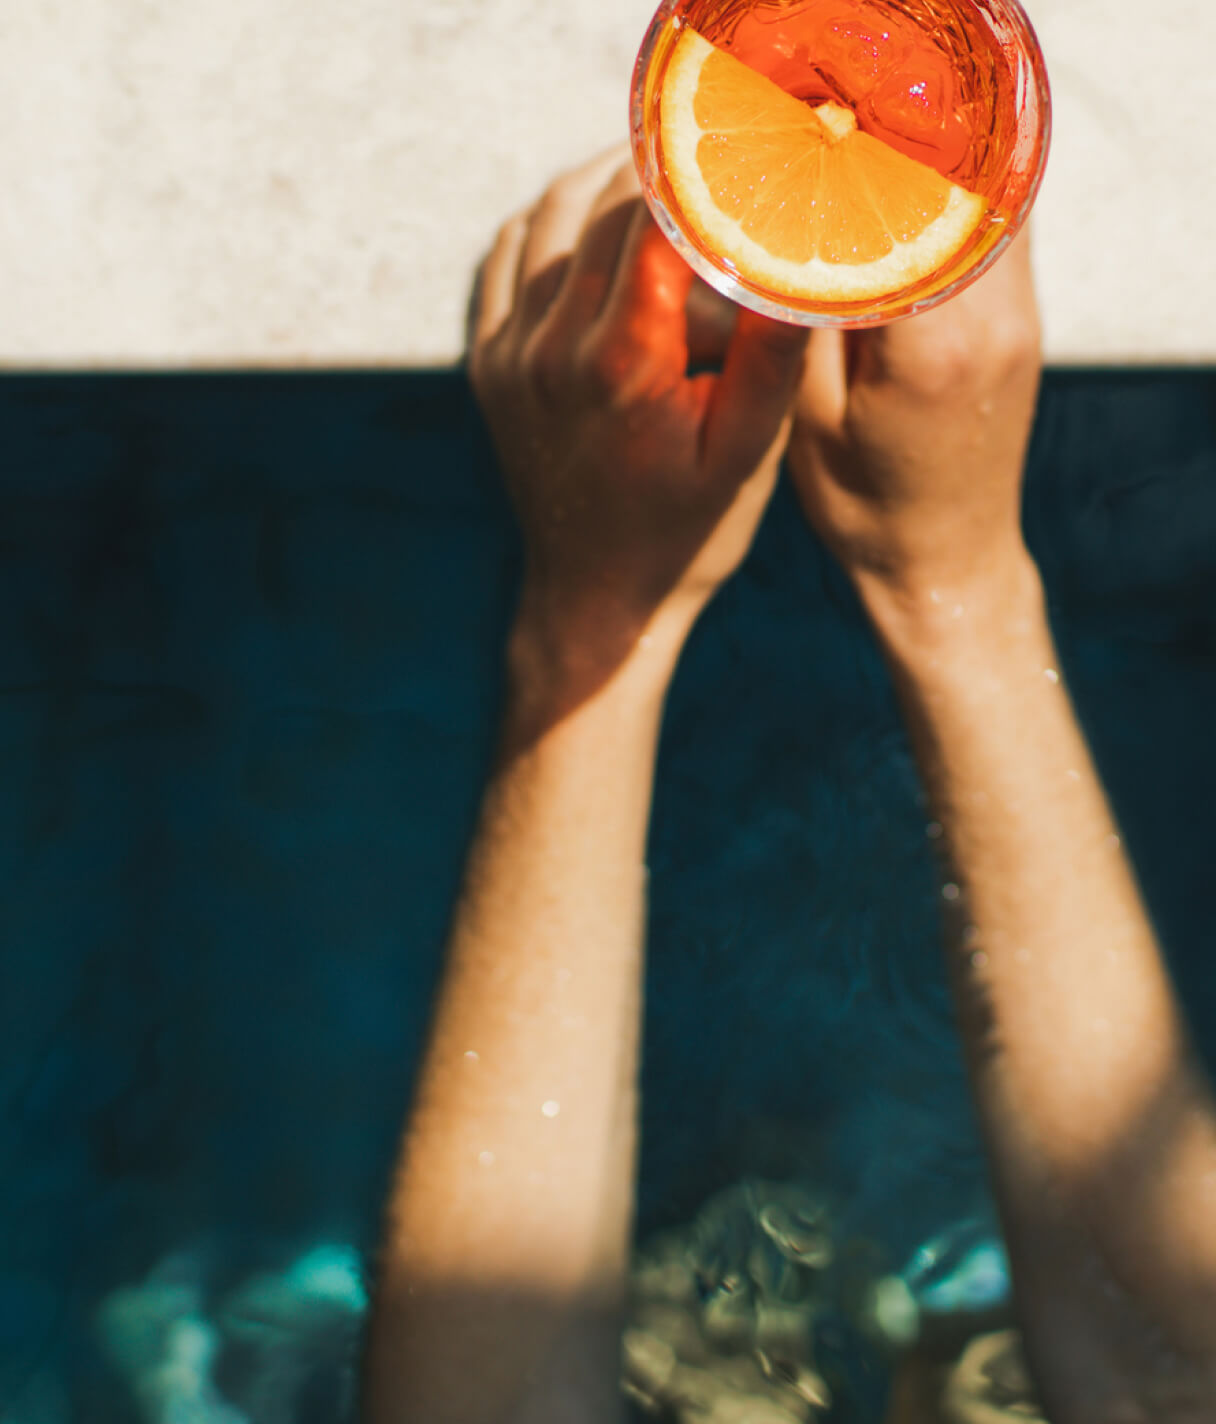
(737, 289)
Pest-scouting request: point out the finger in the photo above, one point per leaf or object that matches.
(710, 321)
(496, 295)
(472, 307)
(754, 393)
(644, 321)
(594, 262)
(824, 389)
(1004, 298)
(954, 341)
(1007, 288)
(1011, 276)
(553, 232)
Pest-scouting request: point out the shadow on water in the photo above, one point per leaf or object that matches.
(248, 683)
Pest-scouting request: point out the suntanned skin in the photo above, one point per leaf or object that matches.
(639, 492)
(509, 1223)
(1099, 1123)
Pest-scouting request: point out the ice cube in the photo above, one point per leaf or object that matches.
(857, 46)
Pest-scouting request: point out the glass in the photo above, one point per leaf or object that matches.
(958, 85)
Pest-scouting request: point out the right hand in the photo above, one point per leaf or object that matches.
(638, 487)
(909, 441)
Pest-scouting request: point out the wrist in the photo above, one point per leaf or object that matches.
(926, 619)
(557, 665)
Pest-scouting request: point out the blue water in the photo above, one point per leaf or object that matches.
(248, 682)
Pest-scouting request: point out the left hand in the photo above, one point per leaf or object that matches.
(910, 439)
(638, 487)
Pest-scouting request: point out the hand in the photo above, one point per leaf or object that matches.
(638, 488)
(909, 442)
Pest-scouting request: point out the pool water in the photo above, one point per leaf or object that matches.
(248, 683)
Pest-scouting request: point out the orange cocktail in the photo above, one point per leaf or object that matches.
(840, 162)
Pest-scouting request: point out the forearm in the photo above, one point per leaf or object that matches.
(509, 1223)
(1099, 1123)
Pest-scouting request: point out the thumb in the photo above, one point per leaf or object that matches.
(753, 395)
(824, 392)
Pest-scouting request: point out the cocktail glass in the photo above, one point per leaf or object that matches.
(958, 85)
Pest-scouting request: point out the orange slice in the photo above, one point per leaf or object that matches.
(797, 199)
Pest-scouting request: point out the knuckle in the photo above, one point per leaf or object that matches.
(1016, 343)
(551, 204)
(980, 354)
(625, 186)
(512, 229)
(568, 191)
(946, 366)
(604, 371)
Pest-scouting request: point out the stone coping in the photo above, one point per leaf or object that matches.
(257, 183)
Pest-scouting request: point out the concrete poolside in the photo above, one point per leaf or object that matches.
(261, 184)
